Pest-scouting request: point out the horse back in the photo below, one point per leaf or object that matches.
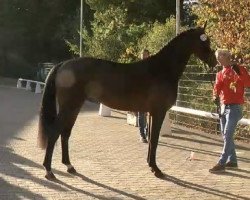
(121, 86)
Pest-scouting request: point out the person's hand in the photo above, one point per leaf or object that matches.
(236, 68)
(216, 100)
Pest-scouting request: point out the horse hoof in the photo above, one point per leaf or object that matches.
(159, 174)
(71, 170)
(50, 176)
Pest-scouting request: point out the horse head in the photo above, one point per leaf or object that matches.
(201, 46)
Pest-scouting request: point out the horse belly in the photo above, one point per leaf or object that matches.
(125, 103)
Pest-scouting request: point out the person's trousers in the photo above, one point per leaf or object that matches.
(231, 114)
(142, 123)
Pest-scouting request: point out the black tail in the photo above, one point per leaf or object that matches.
(48, 108)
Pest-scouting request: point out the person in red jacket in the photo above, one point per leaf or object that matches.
(229, 91)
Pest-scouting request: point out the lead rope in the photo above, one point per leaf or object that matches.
(210, 71)
(149, 125)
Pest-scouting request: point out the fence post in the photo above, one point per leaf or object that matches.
(28, 87)
(19, 83)
(104, 111)
(166, 126)
(38, 88)
(132, 119)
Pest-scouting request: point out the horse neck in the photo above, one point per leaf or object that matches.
(174, 57)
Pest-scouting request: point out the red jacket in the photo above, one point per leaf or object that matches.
(229, 86)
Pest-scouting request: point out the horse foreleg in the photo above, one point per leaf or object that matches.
(157, 119)
(48, 156)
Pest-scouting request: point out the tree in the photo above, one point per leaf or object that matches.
(34, 31)
(158, 36)
(138, 11)
(29, 33)
(118, 26)
(228, 24)
(110, 35)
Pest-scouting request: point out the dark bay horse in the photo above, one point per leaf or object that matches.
(148, 85)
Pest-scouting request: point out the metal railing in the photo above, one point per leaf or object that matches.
(195, 107)
(31, 85)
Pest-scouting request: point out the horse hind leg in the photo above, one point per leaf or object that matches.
(68, 111)
(67, 119)
(65, 151)
(49, 152)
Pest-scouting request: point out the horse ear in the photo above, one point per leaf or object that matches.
(205, 25)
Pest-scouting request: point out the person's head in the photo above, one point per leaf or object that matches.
(223, 57)
(145, 54)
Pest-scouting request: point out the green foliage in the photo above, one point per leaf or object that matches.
(138, 11)
(158, 36)
(115, 39)
(111, 34)
(36, 31)
(28, 34)
(116, 30)
(228, 24)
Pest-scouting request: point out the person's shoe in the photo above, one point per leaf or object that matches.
(231, 165)
(143, 140)
(217, 168)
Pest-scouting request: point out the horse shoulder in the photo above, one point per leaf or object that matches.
(162, 92)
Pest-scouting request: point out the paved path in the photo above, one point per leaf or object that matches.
(110, 160)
